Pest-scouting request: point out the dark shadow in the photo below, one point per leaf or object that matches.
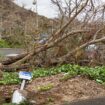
(7, 100)
(96, 101)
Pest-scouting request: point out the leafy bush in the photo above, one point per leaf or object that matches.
(10, 78)
(4, 44)
(97, 73)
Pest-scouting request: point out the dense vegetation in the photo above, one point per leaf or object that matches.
(97, 73)
(4, 44)
(7, 44)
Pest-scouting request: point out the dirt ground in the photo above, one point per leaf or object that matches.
(78, 88)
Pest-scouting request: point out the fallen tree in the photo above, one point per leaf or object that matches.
(60, 31)
(24, 67)
(13, 59)
(67, 30)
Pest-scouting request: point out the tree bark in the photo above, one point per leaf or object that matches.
(47, 46)
(13, 59)
(7, 68)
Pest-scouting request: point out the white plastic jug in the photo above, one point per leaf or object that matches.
(17, 97)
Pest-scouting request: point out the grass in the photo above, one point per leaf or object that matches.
(45, 87)
(10, 78)
(97, 73)
(67, 76)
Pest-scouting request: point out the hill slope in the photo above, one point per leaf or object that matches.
(17, 21)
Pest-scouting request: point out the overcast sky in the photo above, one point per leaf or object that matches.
(44, 7)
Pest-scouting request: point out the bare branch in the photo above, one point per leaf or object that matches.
(47, 46)
(95, 35)
(69, 22)
(63, 58)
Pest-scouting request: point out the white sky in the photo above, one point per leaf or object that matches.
(44, 7)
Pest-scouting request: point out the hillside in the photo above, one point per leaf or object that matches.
(17, 21)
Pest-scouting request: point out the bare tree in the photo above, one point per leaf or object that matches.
(80, 20)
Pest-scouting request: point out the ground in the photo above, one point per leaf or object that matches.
(52, 91)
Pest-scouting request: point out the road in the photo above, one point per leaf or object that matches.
(6, 51)
(96, 101)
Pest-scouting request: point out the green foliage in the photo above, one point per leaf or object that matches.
(7, 44)
(45, 87)
(97, 73)
(10, 78)
(4, 44)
